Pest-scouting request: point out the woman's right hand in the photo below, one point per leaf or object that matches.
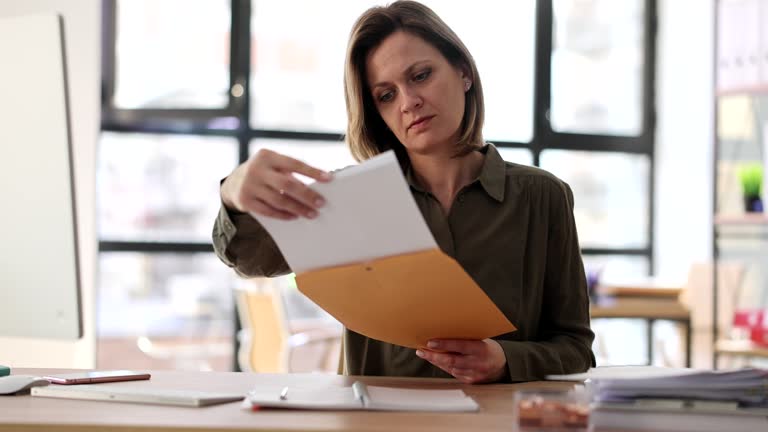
(265, 185)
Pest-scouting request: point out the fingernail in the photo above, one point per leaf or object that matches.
(432, 344)
(326, 176)
(420, 353)
(311, 214)
(319, 202)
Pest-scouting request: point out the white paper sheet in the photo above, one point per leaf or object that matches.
(624, 372)
(369, 213)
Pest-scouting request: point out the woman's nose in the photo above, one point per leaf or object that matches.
(411, 100)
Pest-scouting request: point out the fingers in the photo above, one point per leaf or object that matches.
(282, 201)
(468, 361)
(266, 185)
(288, 186)
(457, 346)
(466, 376)
(464, 373)
(443, 361)
(460, 367)
(291, 165)
(447, 361)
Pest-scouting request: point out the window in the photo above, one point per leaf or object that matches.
(298, 63)
(611, 195)
(516, 155)
(160, 187)
(176, 309)
(326, 155)
(501, 37)
(168, 60)
(597, 73)
(568, 87)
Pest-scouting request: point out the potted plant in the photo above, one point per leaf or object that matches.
(751, 178)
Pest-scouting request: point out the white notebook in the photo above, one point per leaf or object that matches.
(360, 397)
(148, 395)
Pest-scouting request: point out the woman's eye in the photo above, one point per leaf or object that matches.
(386, 97)
(421, 76)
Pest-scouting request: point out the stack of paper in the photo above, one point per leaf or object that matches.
(653, 398)
(746, 387)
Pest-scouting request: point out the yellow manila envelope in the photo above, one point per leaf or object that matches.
(369, 260)
(406, 299)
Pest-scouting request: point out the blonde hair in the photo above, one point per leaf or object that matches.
(367, 134)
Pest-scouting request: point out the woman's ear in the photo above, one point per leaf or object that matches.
(466, 77)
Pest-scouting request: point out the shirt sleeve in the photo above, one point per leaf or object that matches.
(242, 243)
(564, 342)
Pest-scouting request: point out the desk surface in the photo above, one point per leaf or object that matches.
(741, 347)
(27, 413)
(645, 287)
(647, 308)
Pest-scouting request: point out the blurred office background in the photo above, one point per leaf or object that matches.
(620, 107)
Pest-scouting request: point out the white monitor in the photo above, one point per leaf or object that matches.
(39, 272)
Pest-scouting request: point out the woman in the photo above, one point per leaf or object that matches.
(412, 86)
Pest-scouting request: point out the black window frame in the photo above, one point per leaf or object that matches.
(196, 121)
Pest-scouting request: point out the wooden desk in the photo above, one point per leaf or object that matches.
(646, 289)
(649, 308)
(744, 348)
(27, 413)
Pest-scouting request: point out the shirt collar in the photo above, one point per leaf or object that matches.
(492, 175)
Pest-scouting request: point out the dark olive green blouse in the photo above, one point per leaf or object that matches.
(513, 231)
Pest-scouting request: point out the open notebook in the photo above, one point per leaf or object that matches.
(360, 397)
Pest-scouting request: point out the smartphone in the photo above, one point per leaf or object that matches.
(92, 377)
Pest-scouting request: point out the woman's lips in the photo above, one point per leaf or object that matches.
(421, 124)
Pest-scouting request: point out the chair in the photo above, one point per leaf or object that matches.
(731, 278)
(269, 341)
(194, 332)
(698, 294)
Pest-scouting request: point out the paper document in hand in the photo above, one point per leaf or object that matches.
(369, 214)
(370, 260)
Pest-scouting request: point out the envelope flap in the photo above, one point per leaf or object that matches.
(406, 299)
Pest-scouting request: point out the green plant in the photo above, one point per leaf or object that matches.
(751, 177)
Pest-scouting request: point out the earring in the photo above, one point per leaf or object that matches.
(467, 84)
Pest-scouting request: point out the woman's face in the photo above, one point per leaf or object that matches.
(417, 92)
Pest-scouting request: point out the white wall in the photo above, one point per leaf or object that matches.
(684, 102)
(82, 20)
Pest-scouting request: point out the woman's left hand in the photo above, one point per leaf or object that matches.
(470, 361)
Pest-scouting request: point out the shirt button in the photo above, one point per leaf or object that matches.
(227, 225)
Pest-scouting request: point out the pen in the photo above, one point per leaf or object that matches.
(284, 393)
(360, 392)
